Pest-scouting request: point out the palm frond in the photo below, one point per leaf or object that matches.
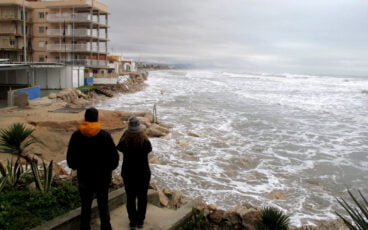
(15, 139)
(273, 219)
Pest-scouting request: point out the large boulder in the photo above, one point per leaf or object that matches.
(157, 130)
(145, 121)
(200, 204)
(52, 96)
(232, 218)
(216, 216)
(164, 200)
(175, 199)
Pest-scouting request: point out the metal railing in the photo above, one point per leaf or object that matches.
(68, 17)
(75, 33)
(68, 47)
(83, 62)
(69, 32)
(75, 48)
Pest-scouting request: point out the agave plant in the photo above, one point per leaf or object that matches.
(15, 139)
(273, 219)
(43, 184)
(12, 173)
(357, 212)
(3, 182)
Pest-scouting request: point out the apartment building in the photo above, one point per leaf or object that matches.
(12, 36)
(64, 31)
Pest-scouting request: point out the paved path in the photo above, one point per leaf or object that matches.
(156, 218)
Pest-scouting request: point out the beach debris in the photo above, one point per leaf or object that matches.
(71, 95)
(122, 79)
(154, 114)
(104, 92)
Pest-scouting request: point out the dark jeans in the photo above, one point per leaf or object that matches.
(136, 190)
(86, 193)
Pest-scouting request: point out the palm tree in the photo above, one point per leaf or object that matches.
(273, 219)
(15, 139)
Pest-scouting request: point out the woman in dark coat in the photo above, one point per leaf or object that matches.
(136, 173)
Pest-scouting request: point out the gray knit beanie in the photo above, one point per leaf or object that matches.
(134, 125)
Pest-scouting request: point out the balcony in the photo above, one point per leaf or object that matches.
(66, 17)
(82, 62)
(74, 33)
(76, 17)
(75, 48)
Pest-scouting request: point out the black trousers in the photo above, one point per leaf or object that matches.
(86, 193)
(136, 192)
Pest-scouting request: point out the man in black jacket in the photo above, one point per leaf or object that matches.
(93, 154)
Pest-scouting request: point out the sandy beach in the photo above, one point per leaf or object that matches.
(52, 130)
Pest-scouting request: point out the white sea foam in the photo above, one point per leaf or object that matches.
(302, 135)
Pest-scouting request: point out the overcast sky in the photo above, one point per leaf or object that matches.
(295, 36)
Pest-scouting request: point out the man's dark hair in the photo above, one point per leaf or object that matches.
(91, 115)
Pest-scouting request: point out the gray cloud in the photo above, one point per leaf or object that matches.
(314, 36)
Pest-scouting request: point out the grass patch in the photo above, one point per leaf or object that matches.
(23, 209)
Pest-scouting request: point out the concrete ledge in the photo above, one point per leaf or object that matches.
(181, 216)
(70, 220)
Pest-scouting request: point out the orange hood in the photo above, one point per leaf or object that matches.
(90, 129)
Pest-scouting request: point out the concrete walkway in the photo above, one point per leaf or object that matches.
(156, 218)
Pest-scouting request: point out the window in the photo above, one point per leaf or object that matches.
(41, 44)
(41, 14)
(12, 42)
(41, 29)
(41, 58)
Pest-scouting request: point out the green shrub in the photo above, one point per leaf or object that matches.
(273, 219)
(22, 209)
(88, 88)
(198, 221)
(358, 212)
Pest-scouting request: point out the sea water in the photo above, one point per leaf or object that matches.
(303, 138)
